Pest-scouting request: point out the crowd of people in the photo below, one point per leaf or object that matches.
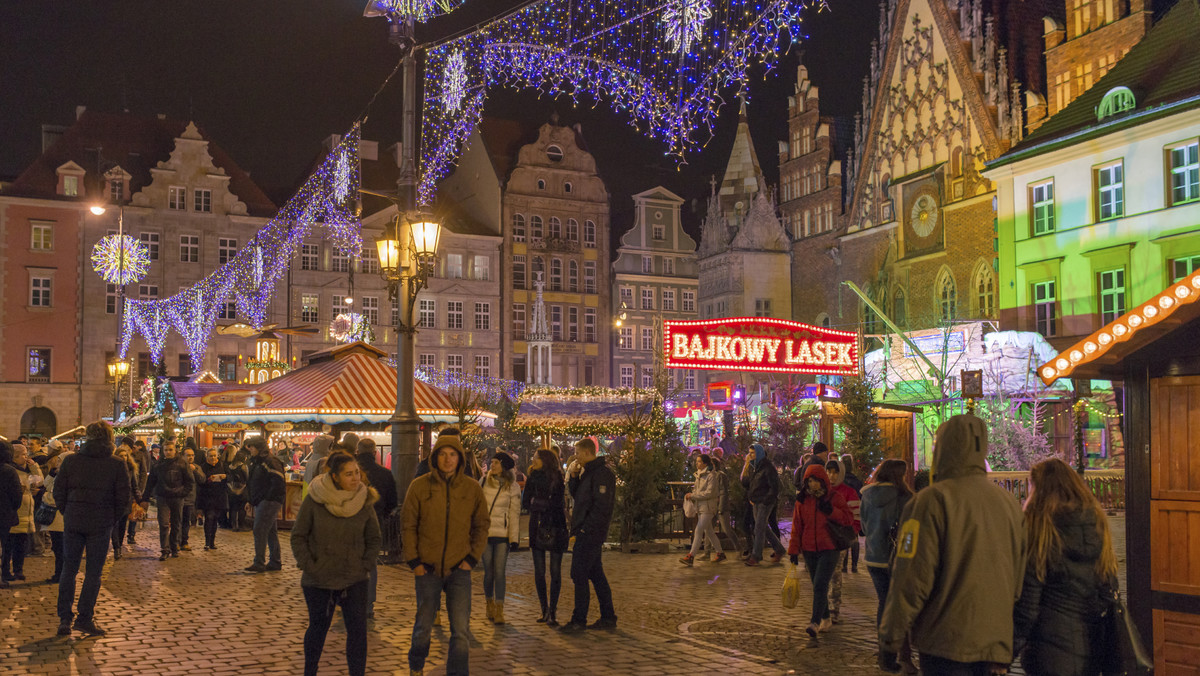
(965, 579)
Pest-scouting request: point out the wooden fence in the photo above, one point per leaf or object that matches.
(1108, 485)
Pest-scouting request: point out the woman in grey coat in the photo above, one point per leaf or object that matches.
(706, 494)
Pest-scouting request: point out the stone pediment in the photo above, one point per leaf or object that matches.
(761, 230)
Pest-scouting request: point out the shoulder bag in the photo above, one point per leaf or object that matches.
(1124, 651)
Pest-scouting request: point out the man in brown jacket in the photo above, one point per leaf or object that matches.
(445, 527)
(960, 562)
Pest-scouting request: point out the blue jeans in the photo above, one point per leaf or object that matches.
(74, 544)
(762, 530)
(495, 561)
(882, 577)
(457, 586)
(820, 567)
(266, 530)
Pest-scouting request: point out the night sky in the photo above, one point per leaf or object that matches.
(268, 80)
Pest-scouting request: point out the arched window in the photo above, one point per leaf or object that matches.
(898, 307)
(39, 420)
(589, 234)
(985, 291)
(870, 319)
(556, 274)
(541, 184)
(518, 228)
(572, 276)
(572, 229)
(823, 320)
(567, 187)
(555, 228)
(535, 228)
(947, 296)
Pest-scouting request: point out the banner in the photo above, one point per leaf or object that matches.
(759, 344)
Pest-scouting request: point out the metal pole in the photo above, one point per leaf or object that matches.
(120, 309)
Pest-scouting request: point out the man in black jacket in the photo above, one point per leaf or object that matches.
(761, 481)
(266, 490)
(91, 489)
(10, 493)
(593, 488)
(170, 482)
(381, 480)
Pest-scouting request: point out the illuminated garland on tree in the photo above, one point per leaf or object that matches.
(417, 10)
(662, 63)
(120, 259)
(327, 199)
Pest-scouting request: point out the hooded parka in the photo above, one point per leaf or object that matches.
(811, 516)
(444, 519)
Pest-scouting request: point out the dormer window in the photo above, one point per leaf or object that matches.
(116, 190)
(69, 177)
(554, 153)
(70, 186)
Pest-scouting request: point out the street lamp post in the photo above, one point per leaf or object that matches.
(407, 251)
(117, 368)
(98, 210)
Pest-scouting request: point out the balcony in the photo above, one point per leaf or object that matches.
(555, 244)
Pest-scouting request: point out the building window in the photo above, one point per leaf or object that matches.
(1185, 173)
(947, 298)
(647, 339)
(689, 381)
(339, 306)
(116, 190)
(556, 322)
(482, 269)
(689, 301)
(310, 256)
(39, 292)
(177, 198)
(572, 230)
(985, 292)
(185, 364)
(589, 277)
(535, 228)
(1112, 295)
(228, 311)
(518, 321)
(659, 232)
(427, 360)
(541, 184)
(518, 272)
(454, 266)
(41, 237)
(310, 308)
(567, 187)
(762, 307)
(226, 250)
(647, 379)
(202, 201)
(1184, 267)
(556, 274)
(668, 300)
(427, 314)
(454, 314)
(341, 262)
(1044, 313)
(518, 228)
(1042, 197)
(483, 366)
(1110, 191)
(589, 234)
(189, 248)
(573, 276)
(71, 186)
(227, 367)
(647, 265)
(150, 239)
(627, 377)
(647, 299)
(627, 296)
(110, 299)
(625, 338)
(668, 265)
(370, 308)
(39, 365)
(370, 260)
(454, 363)
(573, 324)
(483, 316)
(555, 228)
(589, 325)
(898, 307)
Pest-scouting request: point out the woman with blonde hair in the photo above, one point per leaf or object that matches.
(1057, 623)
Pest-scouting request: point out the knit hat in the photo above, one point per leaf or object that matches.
(55, 445)
(451, 440)
(819, 448)
(506, 460)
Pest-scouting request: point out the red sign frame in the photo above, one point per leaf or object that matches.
(759, 344)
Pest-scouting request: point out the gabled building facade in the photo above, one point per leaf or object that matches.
(810, 177)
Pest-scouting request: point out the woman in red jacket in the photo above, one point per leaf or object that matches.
(816, 505)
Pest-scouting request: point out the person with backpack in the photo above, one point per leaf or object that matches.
(761, 480)
(707, 496)
(883, 502)
(817, 504)
(170, 482)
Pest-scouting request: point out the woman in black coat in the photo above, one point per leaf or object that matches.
(1057, 626)
(544, 500)
(212, 498)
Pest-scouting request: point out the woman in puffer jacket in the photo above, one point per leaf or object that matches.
(335, 541)
(707, 496)
(816, 505)
(503, 496)
(16, 540)
(1057, 625)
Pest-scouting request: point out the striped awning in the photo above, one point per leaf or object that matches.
(355, 387)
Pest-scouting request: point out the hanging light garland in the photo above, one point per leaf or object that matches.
(495, 389)
(417, 10)
(663, 64)
(120, 259)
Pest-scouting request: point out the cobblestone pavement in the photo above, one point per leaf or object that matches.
(199, 614)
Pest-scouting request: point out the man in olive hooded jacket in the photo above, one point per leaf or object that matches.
(960, 562)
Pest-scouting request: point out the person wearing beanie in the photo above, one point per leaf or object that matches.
(350, 442)
(445, 527)
(320, 449)
(503, 496)
(379, 478)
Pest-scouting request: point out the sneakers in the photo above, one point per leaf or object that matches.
(255, 568)
(573, 627)
(750, 561)
(274, 566)
(776, 557)
(88, 628)
(719, 557)
(64, 629)
(687, 560)
(604, 624)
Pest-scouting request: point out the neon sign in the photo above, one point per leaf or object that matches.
(759, 344)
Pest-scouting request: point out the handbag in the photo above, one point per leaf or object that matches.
(1124, 651)
(690, 509)
(546, 537)
(843, 536)
(44, 514)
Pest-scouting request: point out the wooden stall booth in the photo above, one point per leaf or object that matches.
(1155, 350)
(897, 426)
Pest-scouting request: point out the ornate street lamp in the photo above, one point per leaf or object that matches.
(117, 369)
(407, 254)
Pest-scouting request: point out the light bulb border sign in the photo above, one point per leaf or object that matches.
(759, 344)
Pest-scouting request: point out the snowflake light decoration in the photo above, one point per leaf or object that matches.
(685, 23)
(120, 259)
(349, 327)
(341, 178)
(456, 81)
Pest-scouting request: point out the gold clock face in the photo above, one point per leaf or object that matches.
(924, 215)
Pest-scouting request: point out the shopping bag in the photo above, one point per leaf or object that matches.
(791, 586)
(689, 508)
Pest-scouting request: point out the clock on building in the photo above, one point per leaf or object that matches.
(924, 215)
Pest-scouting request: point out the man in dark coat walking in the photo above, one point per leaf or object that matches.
(266, 490)
(170, 482)
(10, 493)
(593, 488)
(91, 489)
(382, 481)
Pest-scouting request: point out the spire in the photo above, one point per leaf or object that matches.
(539, 330)
(714, 233)
(539, 350)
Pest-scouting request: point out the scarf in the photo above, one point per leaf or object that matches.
(339, 502)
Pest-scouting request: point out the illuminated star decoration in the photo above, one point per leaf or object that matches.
(605, 51)
(120, 259)
(685, 23)
(327, 201)
(417, 10)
